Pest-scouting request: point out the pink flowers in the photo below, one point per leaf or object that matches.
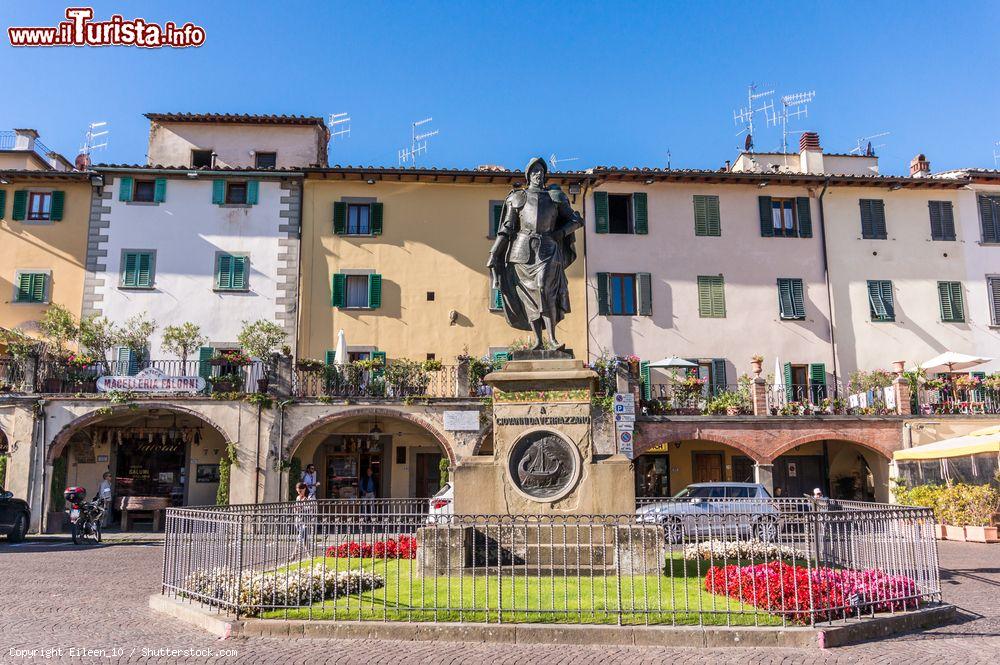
(403, 548)
(823, 593)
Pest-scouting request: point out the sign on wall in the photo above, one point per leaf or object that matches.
(152, 380)
(624, 406)
(461, 421)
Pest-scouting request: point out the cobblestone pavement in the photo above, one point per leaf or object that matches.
(53, 595)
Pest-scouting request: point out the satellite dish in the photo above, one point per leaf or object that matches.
(748, 143)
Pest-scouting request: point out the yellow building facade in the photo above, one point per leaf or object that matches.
(396, 258)
(44, 218)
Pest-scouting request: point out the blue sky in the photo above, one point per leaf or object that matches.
(611, 83)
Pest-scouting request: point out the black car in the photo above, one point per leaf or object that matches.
(14, 516)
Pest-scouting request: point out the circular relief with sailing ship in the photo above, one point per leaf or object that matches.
(543, 466)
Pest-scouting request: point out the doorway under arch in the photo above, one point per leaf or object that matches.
(841, 469)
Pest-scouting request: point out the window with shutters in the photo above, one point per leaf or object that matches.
(232, 272)
(783, 217)
(620, 214)
(951, 301)
(496, 300)
(265, 160)
(993, 293)
(496, 210)
(872, 219)
(144, 191)
(706, 215)
(791, 300)
(711, 296)
(880, 303)
(31, 287)
(942, 220)
(622, 294)
(357, 291)
(989, 217)
(236, 193)
(358, 219)
(137, 269)
(713, 370)
(39, 206)
(201, 159)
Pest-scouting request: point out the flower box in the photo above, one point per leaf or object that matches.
(981, 534)
(954, 532)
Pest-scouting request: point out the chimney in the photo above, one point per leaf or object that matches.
(920, 166)
(810, 153)
(25, 139)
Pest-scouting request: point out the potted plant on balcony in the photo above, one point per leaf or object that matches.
(226, 383)
(729, 402)
(757, 364)
(81, 372)
(261, 339)
(182, 341)
(310, 366)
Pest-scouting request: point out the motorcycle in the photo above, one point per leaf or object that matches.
(85, 516)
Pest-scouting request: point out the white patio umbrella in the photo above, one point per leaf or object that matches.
(950, 361)
(340, 354)
(779, 384)
(672, 361)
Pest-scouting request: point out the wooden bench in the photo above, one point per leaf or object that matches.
(153, 507)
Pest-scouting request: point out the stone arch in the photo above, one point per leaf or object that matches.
(482, 438)
(653, 442)
(383, 412)
(62, 438)
(862, 441)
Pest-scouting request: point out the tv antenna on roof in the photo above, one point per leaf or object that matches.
(792, 106)
(745, 115)
(418, 142)
(90, 145)
(865, 147)
(340, 125)
(553, 162)
(996, 154)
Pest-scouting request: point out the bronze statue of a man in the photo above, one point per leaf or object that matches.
(528, 261)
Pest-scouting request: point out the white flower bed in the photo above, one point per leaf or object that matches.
(254, 591)
(741, 549)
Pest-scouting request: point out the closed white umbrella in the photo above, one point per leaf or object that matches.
(340, 354)
(779, 383)
(950, 361)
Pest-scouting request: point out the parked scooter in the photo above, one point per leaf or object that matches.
(84, 516)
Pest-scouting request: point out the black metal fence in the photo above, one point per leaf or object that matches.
(707, 562)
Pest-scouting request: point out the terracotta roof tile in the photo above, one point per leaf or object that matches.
(237, 118)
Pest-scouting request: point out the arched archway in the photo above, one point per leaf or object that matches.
(842, 468)
(667, 465)
(408, 456)
(158, 455)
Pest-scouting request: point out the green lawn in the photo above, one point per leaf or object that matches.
(677, 597)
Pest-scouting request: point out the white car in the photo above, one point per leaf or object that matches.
(713, 510)
(441, 506)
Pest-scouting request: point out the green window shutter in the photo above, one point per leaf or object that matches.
(603, 293)
(339, 218)
(339, 290)
(993, 289)
(144, 269)
(38, 286)
(374, 291)
(942, 220)
(496, 299)
(711, 296)
(817, 382)
(647, 389)
(957, 302)
(379, 355)
(128, 363)
(376, 218)
(989, 215)
(791, 303)
(331, 356)
(804, 211)
(58, 206)
(944, 298)
(645, 282)
(20, 207)
(159, 190)
(640, 213)
(129, 270)
(501, 356)
(766, 216)
(717, 375)
(601, 215)
(880, 300)
(218, 192)
(24, 281)
(700, 215)
(872, 219)
(798, 299)
(788, 380)
(125, 189)
(239, 278)
(3, 203)
(253, 192)
(714, 218)
(224, 272)
(952, 305)
(496, 213)
(205, 354)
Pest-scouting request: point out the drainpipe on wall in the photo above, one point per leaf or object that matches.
(829, 285)
(41, 515)
(256, 460)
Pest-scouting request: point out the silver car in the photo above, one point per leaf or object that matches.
(715, 510)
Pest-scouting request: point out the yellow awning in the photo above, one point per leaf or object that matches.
(986, 440)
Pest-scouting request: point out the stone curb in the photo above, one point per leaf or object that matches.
(838, 634)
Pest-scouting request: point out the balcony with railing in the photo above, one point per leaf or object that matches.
(8, 141)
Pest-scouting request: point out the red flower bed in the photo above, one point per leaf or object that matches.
(824, 593)
(405, 547)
